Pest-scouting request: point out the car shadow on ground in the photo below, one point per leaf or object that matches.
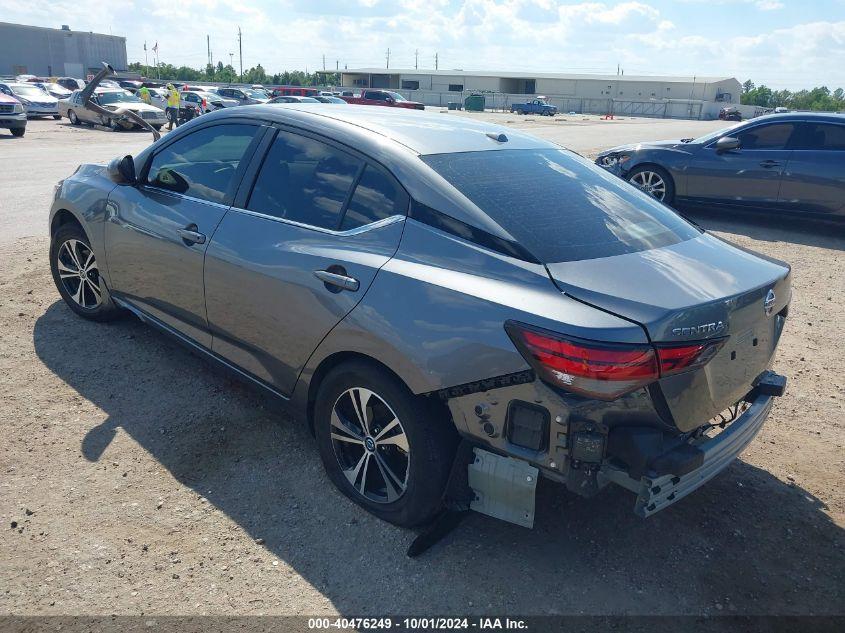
(771, 228)
(746, 543)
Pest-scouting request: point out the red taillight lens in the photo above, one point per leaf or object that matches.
(604, 370)
(676, 359)
(599, 370)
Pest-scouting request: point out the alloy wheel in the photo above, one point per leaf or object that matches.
(370, 445)
(79, 273)
(651, 182)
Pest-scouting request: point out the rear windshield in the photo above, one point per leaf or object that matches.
(559, 206)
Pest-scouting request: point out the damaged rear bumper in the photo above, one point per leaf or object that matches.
(657, 492)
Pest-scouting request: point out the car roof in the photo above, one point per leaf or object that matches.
(424, 132)
(800, 116)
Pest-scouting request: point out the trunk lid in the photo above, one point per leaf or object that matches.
(695, 290)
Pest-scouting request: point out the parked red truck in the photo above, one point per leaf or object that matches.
(383, 98)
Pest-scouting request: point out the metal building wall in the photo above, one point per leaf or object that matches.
(54, 52)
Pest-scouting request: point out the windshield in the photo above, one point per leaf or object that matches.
(28, 91)
(256, 94)
(559, 206)
(397, 96)
(717, 134)
(117, 97)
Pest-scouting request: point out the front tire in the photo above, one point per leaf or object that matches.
(76, 274)
(57, 116)
(74, 120)
(383, 447)
(18, 131)
(653, 180)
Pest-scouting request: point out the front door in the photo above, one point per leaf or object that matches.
(158, 231)
(297, 253)
(748, 176)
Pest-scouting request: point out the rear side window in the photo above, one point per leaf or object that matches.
(304, 180)
(203, 164)
(560, 207)
(376, 197)
(771, 136)
(822, 136)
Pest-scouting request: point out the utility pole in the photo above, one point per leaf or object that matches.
(388, 58)
(417, 58)
(146, 61)
(241, 52)
(435, 62)
(231, 55)
(208, 47)
(324, 62)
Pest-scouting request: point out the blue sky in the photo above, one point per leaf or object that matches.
(782, 43)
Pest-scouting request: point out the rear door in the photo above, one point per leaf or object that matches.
(749, 176)
(814, 180)
(158, 232)
(297, 252)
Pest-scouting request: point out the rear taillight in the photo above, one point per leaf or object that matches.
(604, 370)
(676, 359)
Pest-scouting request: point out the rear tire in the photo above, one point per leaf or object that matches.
(57, 116)
(74, 120)
(395, 464)
(85, 293)
(18, 131)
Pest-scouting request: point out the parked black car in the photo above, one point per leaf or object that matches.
(730, 113)
(781, 162)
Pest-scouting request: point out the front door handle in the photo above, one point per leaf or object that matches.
(336, 281)
(190, 235)
(769, 163)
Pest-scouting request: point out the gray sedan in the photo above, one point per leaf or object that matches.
(439, 299)
(792, 163)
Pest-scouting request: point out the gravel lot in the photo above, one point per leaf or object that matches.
(136, 479)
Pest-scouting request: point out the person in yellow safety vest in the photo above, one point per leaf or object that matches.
(172, 106)
(144, 94)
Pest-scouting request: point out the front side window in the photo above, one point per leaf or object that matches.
(772, 136)
(558, 206)
(203, 164)
(304, 180)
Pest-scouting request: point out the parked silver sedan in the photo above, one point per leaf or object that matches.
(36, 101)
(407, 281)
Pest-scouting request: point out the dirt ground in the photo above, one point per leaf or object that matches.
(137, 479)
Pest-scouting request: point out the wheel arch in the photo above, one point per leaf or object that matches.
(330, 362)
(63, 217)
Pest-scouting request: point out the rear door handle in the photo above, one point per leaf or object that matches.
(336, 280)
(190, 235)
(769, 163)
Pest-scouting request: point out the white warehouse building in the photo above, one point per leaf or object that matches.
(687, 97)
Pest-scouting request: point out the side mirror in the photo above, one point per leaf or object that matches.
(122, 171)
(727, 143)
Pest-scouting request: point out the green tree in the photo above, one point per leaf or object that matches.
(748, 86)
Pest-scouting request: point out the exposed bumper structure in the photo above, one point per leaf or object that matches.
(656, 493)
